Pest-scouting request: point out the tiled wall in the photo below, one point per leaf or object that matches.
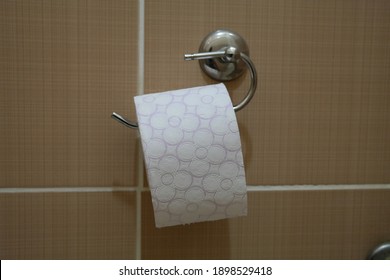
(67, 226)
(280, 225)
(321, 116)
(322, 111)
(65, 67)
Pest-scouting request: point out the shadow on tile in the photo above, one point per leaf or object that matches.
(208, 240)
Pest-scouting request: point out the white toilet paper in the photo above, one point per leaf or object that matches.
(193, 155)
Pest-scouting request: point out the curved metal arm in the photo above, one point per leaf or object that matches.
(253, 86)
(231, 54)
(238, 107)
(123, 120)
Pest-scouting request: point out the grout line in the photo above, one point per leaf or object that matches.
(318, 187)
(140, 91)
(139, 189)
(67, 189)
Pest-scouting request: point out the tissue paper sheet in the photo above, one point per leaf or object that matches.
(193, 156)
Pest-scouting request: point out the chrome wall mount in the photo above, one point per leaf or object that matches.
(381, 252)
(223, 56)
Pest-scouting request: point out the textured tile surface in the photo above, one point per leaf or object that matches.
(321, 114)
(280, 225)
(65, 67)
(67, 226)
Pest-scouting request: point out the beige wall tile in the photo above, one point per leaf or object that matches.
(65, 66)
(196, 241)
(279, 225)
(311, 225)
(321, 114)
(67, 226)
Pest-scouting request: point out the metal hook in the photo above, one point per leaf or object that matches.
(123, 120)
(231, 55)
(223, 55)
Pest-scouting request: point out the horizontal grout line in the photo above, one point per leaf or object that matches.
(318, 187)
(67, 189)
(249, 188)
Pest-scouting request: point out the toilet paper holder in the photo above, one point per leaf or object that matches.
(223, 56)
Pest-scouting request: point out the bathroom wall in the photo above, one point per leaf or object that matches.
(65, 67)
(321, 116)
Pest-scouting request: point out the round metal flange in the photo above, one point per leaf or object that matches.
(381, 252)
(224, 68)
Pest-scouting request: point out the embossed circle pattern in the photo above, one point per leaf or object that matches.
(193, 155)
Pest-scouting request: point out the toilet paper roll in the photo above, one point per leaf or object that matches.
(193, 156)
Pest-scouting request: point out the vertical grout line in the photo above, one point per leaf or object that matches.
(140, 91)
